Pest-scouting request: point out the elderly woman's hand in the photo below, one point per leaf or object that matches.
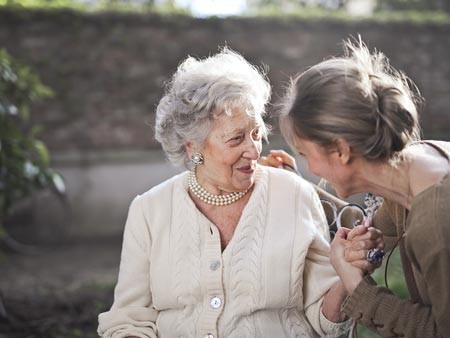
(279, 159)
(363, 238)
(350, 275)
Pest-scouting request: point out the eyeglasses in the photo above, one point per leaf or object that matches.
(351, 211)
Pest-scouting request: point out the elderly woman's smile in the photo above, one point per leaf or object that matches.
(231, 152)
(246, 170)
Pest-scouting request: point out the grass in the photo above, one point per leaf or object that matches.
(67, 315)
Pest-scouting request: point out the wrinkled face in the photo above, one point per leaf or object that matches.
(327, 164)
(230, 153)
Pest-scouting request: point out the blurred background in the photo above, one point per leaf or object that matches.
(79, 83)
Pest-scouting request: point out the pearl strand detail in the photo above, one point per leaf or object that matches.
(200, 192)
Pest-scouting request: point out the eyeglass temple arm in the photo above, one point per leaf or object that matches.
(348, 219)
(324, 195)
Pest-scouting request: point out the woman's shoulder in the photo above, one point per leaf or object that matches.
(288, 178)
(442, 146)
(445, 145)
(155, 203)
(164, 188)
(440, 191)
(431, 207)
(435, 198)
(281, 174)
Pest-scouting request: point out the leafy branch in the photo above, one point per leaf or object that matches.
(24, 159)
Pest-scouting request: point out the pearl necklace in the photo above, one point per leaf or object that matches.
(200, 192)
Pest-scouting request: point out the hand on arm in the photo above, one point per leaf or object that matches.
(279, 159)
(350, 275)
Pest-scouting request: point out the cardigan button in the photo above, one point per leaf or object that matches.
(209, 335)
(214, 265)
(216, 302)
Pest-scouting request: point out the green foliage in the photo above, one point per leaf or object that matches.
(341, 15)
(416, 11)
(43, 4)
(302, 13)
(287, 6)
(24, 159)
(394, 273)
(418, 5)
(166, 8)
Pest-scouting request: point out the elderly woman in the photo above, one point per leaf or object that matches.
(354, 119)
(229, 248)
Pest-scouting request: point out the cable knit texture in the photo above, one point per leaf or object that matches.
(245, 266)
(186, 272)
(269, 282)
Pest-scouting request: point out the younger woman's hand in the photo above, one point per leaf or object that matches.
(278, 159)
(361, 240)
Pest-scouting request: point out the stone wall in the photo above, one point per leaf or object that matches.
(108, 70)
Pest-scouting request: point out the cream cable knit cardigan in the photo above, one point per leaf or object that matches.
(269, 282)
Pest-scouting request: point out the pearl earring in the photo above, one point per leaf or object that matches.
(197, 159)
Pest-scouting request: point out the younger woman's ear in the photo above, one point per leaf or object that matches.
(344, 151)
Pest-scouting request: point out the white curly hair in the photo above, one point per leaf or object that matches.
(200, 91)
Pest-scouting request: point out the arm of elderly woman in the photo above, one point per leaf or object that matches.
(132, 297)
(323, 292)
(363, 238)
(349, 245)
(281, 159)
